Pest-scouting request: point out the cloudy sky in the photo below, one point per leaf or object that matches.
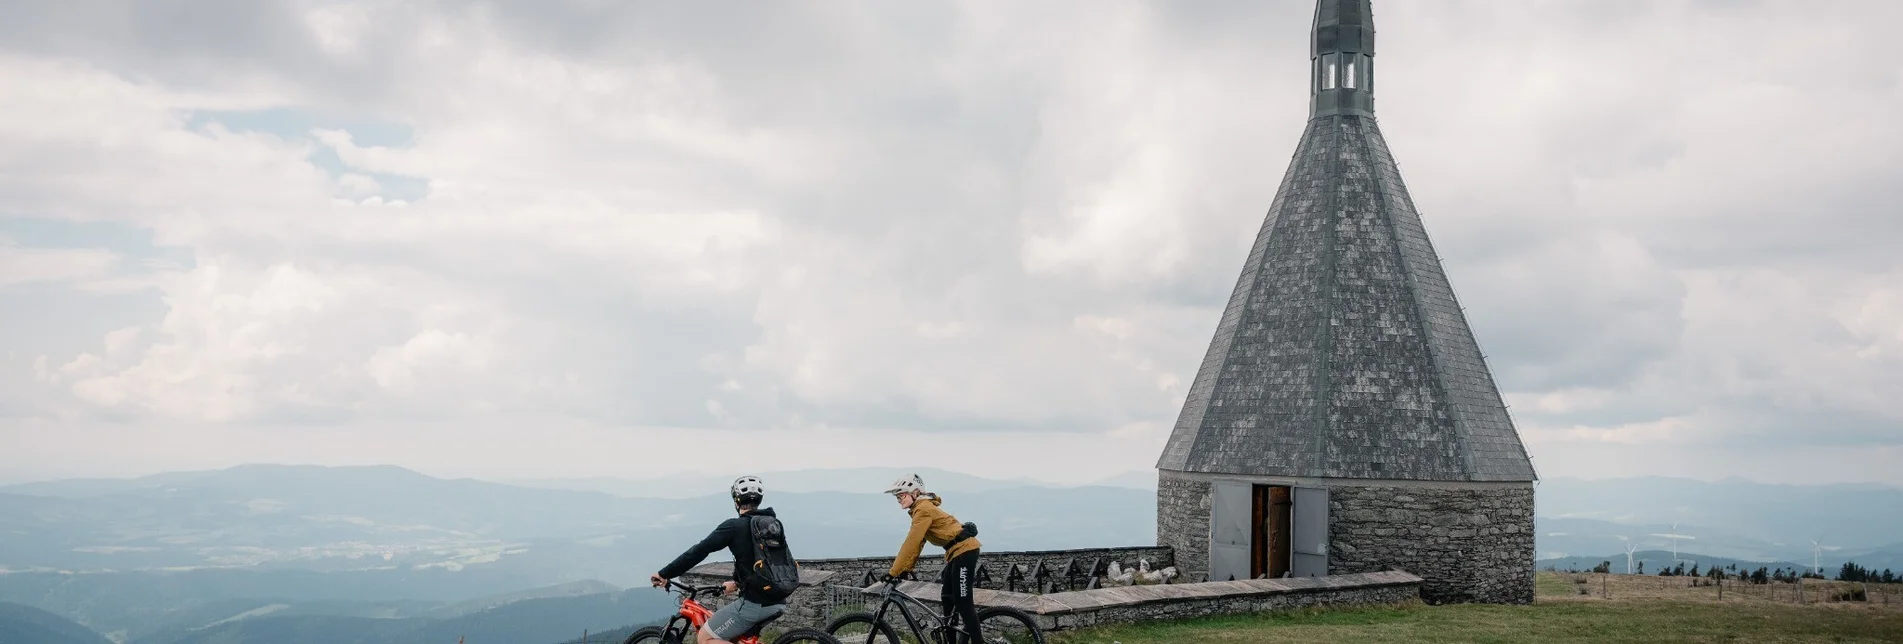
(599, 238)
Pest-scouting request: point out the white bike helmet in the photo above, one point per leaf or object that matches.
(907, 484)
(748, 489)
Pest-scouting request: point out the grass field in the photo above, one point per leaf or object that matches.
(1640, 609)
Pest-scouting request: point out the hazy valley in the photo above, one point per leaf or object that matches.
(303, 554)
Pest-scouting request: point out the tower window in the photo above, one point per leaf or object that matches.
(1328, 71)
(1348, 81)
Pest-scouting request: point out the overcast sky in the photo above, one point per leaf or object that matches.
(598, 238)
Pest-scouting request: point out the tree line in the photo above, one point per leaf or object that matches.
(1853, 572)
(1764, 574)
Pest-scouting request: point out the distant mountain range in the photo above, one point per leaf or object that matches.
(1590, 538)
(389, 519)
(527, 620)
(21, 624)
(142, 559)
(1733, 518)
(292, 554)
(1838, 516)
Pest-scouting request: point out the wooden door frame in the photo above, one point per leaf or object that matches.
(1281, 525)
(1258, 530)
(1271, 509)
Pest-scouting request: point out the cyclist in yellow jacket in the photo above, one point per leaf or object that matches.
(929, 523)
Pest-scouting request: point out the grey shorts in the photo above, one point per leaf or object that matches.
(740, 616)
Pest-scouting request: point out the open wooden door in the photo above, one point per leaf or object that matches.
(1309, 549)
(1229, 542)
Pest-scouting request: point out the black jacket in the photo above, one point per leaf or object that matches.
(736, 535)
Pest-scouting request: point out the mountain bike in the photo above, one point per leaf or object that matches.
(997, 624)
(693, 616)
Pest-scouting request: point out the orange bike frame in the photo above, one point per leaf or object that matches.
(698, 615)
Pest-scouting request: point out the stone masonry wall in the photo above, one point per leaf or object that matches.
(1468, 544)
(1182, 523)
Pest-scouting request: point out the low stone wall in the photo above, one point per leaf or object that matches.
(1128, 604)
(827, 595)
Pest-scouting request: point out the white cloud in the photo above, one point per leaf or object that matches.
(397, 368)
(120, 343)
(935, 219)
(254, 333)
(338, 27)
(26, 265)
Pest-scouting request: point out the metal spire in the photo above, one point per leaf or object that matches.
(1341, 59)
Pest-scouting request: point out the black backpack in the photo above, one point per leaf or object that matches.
(969, 530)
(775, 574)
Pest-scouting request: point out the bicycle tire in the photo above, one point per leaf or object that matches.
(1012, 626)
(876, 632)
(805, 636)
(649, 635)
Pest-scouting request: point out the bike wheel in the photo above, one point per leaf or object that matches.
(805, 636)
(649, 635)
(860, 628)
(1005, 625)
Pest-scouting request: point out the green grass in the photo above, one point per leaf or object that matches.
(1559, 615)
(1555, 622)
(1552, 585)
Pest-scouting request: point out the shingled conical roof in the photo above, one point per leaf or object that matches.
(1343, 352)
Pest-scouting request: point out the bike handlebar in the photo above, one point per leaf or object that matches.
(888, 588)
(695, 591)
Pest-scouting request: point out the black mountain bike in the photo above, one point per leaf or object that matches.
(998, 624)
(694, 616)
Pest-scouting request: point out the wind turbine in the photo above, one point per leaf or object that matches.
(1816, 549)
(1629, 548)
(1675, 536)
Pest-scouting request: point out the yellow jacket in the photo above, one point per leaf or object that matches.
(930, 524)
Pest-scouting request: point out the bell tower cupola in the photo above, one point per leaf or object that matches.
(1341, 52)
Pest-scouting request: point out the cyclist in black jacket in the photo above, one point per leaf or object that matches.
(736, 536)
